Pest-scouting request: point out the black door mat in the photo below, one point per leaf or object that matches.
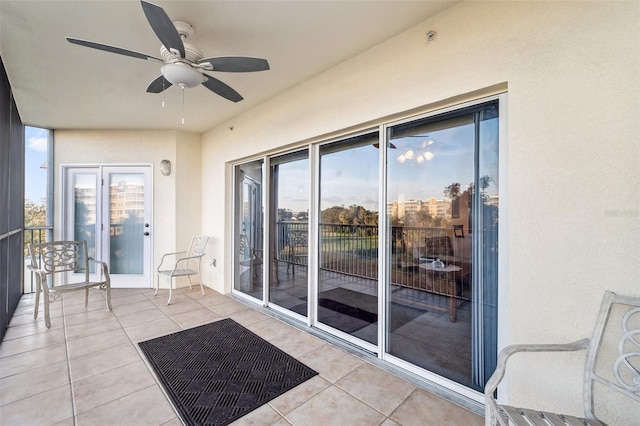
(218, 372)
(349, 310)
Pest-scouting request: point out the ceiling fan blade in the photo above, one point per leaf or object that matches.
(159, 85)
(218, 87)
(236, 64)
(113, 49)
(163, 27)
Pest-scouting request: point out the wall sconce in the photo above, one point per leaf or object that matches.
(165, 167)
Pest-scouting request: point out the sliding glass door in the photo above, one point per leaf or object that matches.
(347, 293)
(249, 251)
(421, 288)
(441, 286)
(289, 244)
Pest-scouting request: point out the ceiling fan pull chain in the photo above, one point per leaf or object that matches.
(183, 105)
(163, 88)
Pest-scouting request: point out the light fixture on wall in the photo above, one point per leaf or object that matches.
(165, 167)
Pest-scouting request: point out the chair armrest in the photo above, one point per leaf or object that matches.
(41, 277)
(186, 259)
(182, 260)
(169, 254)
(103, 265)
(510, 350)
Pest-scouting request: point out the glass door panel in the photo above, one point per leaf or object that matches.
(347, 298)
(289, 245)
(126, 223)
(84, 207)
(249, 251)
(435, 245)
(126, 234)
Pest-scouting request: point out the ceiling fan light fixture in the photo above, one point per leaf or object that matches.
(182, 75)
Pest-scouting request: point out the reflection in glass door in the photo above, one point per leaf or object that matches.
(85, 207)
(347, 297)
(127, 232)
(248, 247)
(442, 197)
(289, 245)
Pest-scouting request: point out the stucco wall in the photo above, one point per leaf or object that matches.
(176, 198)
(570, 204)
(188, 166)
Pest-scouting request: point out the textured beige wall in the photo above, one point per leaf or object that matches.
(571, 204)
(187, 169)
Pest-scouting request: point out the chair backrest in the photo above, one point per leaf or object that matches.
(197, 246)
(298, 238)
(613, 358)
(438, 247)
(60, 256)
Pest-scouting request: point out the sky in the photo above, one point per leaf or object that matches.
(35, 185)
(351, 176)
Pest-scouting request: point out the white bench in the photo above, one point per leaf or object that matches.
(619, 372)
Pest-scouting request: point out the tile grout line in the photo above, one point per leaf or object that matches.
(66, 349)
(142, 358)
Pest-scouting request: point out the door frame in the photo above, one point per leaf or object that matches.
(102, 246)
(313, 144)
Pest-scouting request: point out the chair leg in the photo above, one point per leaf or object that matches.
(37, 305)
(275, 269)
(157, 286)
(86, 296)
(189, 278)
(109, 296)
(47, 319)
(170, 290)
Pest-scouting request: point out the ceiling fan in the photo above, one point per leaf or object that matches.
(183, 64)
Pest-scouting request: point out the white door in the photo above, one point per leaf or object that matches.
(110, 207)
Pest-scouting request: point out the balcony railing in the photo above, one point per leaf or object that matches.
(353, 250)
(33, 235)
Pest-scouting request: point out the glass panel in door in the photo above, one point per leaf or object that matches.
(127, 225)
(347, 298)
(249, 251)
(84, 208)
(435, 245)
(289, 245)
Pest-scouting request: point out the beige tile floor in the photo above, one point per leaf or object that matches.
(87, 368)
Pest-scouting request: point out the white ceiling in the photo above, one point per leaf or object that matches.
(63, 86)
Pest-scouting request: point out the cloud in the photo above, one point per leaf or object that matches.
(37, 144)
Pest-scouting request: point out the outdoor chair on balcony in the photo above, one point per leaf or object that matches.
(253, 258)
(183, 263)
(612, 364)
(445, 272)
(69, 266)
(298, 248)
